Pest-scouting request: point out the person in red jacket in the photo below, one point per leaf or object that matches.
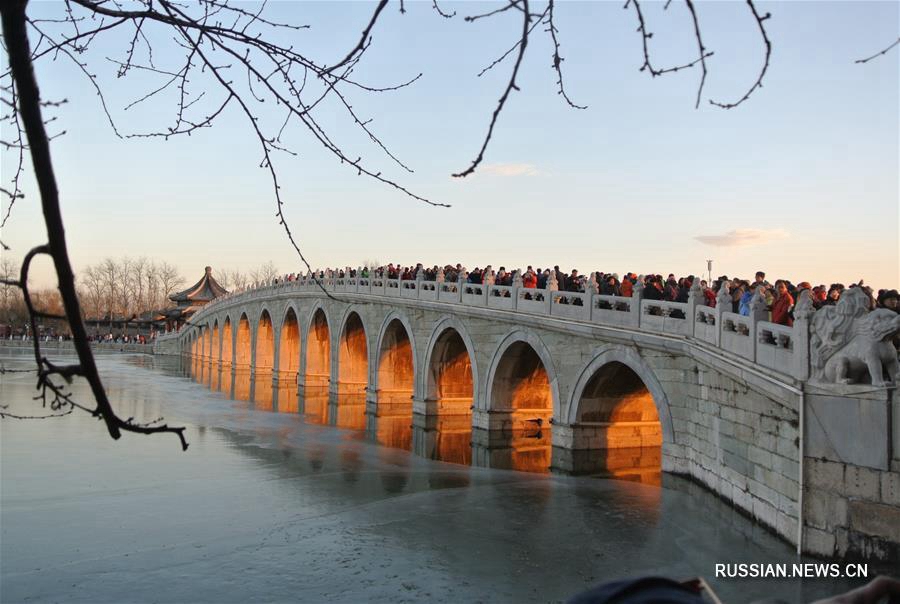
(781, 307)
(529, 279)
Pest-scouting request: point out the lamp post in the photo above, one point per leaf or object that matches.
(709, 270)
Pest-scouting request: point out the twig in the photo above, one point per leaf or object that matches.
(526, 22)
(759, 79)
(880, 53)
(557, 59)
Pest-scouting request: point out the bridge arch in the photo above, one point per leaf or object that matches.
(227, 355)
(611, 359)
(395, 358)
(514, 378)
(215, 354)
(264, 343)
(195, 354)
(242, 345)
(450, 370)
(352, 371)
(316, 348)
(288, 358)
(203, 352)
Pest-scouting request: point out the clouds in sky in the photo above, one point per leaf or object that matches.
(509, 169)
(743, 237)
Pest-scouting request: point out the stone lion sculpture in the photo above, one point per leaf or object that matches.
(848, 341)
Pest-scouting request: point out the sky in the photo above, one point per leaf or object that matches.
(801, 181)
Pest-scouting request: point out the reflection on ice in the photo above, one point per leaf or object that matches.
(446, 435)
(524, 450)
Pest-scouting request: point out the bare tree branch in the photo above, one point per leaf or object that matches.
(762, 74)
(445, 15)
(557, 59)
(879, 53)
(523, 42)
(362, 40)
(17, 46)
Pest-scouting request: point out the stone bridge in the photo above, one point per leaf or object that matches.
(607, 384)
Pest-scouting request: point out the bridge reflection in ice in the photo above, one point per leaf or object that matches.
(523, 444)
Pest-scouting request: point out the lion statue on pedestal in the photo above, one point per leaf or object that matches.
(849, 341)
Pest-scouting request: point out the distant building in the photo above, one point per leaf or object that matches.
(188, 301)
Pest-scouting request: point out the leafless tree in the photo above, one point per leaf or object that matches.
(169, 280)
(122, 287)
(230, 279)
(229, 54)
(136, 280)
(263, 273)
(91, 292)
(9, 272)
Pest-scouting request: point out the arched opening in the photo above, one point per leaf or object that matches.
(242, 360)
(195, 357)
(265, 360)
(227, 357)
(396, 375)
(265, 345)
(348, 406)
(449, 391)
(450, 374)
(353, 357)
(520, 383)
(395, 370)
(520, 393)
(202, 352)
(289, 348)
(215, 347)
(619, 426)
(318, 353)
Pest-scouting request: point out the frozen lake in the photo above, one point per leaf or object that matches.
(267, 507)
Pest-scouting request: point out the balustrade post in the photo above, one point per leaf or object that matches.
(695, 299)
(637, 297)
(759, 311)
(803, 316)
(592, 289)
(420, 276)
(517, 287)
(723, 304)
(552, 285)
(488, 279)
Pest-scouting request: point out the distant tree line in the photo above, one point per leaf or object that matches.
(126, 287)
(13, 312)
(112, 288)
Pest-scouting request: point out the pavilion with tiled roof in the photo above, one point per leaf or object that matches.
(188, 301)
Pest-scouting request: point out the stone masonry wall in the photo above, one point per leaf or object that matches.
(737, 438)
(851, 498)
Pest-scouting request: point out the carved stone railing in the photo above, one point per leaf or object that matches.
(779, 348)
(775, 346)
(666, 317)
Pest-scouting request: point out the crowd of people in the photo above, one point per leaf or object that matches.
(8, 332)
(779, 296)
